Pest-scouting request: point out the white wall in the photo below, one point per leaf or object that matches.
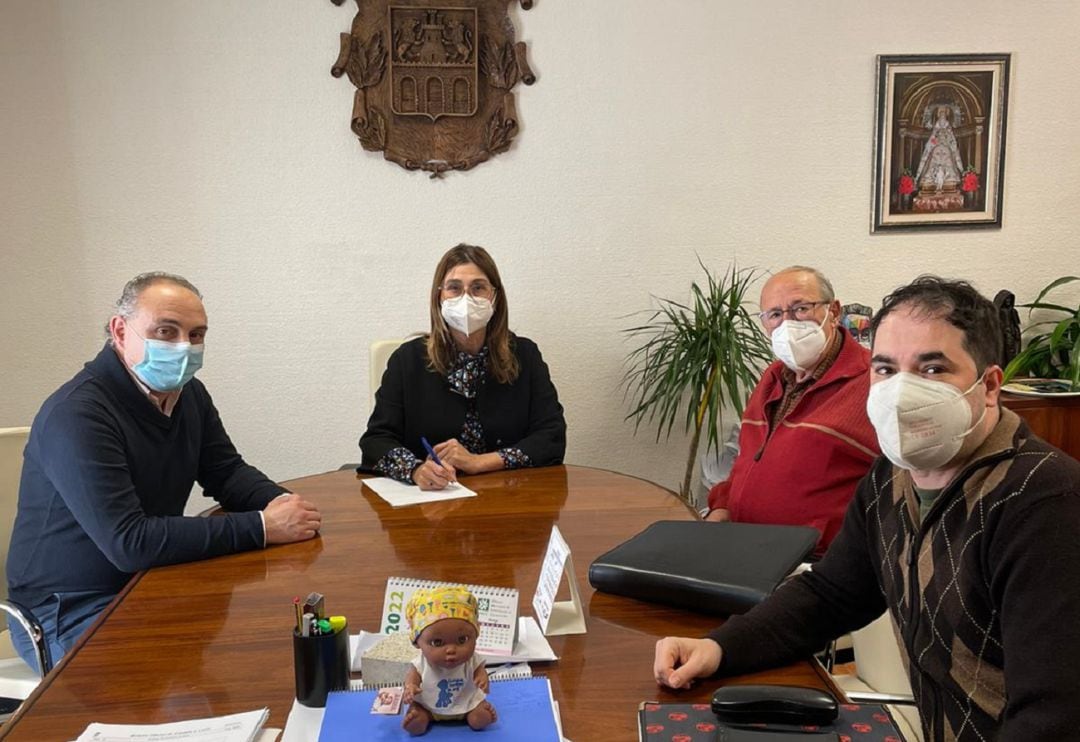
(208, 138)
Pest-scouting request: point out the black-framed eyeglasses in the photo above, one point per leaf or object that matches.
(804, 310)
(478, 289)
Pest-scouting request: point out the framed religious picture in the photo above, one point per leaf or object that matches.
(939, 148)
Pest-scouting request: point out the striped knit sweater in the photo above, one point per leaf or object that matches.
(984, 594)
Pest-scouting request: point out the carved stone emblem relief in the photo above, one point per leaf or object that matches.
(434, 80)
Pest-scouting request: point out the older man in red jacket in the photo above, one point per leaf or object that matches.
(805, 440)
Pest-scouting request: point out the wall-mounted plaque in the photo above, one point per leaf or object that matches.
(434, 80)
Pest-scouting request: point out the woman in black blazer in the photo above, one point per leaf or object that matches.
(480, 394)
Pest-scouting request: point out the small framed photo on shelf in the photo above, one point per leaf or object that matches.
(939, 146)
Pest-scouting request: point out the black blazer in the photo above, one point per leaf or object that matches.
(415, 401)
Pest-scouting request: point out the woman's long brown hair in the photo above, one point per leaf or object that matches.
(502, 363)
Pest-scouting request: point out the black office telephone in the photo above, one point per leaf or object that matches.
(732, 734)
(774, 704)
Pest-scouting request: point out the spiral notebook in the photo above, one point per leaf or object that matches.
(497, 612)
(524, 706)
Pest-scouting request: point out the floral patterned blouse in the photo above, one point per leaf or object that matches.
(466, 377)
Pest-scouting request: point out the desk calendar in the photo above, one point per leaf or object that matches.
(497, 612)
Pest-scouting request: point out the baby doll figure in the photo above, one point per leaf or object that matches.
(447, 681)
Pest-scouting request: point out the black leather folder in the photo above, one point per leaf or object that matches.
(715, 568)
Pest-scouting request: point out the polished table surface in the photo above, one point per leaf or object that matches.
(213, 637)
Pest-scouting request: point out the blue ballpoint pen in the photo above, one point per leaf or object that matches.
(431, 453)
(430, 450)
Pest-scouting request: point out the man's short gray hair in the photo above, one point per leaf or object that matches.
(824, 285)
(129, 297)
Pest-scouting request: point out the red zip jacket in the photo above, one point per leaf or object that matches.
(803, 472)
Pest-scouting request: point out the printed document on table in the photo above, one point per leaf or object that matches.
(244, 727)
(399, 494)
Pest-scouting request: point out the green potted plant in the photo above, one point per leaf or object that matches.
(695, 358)
(1052, 354)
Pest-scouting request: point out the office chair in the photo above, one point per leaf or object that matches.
(17, 680)
(880, 676)
(380, 353)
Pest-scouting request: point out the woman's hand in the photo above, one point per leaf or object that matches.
(431, 476)
(452, 453)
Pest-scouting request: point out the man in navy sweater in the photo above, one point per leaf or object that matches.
(111, 460)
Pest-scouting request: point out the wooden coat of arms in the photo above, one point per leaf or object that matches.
(434, 80)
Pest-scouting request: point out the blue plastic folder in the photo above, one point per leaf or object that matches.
(523, 706)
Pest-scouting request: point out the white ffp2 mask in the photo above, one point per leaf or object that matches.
(467, 313)
(799, 343)
(920, 424)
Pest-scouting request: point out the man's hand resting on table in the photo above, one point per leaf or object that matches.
(680, 660)
(290, 518)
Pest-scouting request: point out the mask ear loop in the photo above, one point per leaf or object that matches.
(977, 423)
(835, 326)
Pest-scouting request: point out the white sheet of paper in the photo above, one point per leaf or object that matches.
(243, 727)
(268, 734)
(550, 576)
(399, 494)
(531, 645)
(303, 724)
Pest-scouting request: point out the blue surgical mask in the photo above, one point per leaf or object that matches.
(166, 367)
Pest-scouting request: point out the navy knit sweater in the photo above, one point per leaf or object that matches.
(105, 479)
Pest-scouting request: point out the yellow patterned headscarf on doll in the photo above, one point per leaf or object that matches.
(425, 607)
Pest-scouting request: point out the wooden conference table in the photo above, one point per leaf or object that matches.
(213, 637)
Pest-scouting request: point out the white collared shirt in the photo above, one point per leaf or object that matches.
(166, 405)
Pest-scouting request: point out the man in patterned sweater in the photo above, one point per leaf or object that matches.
(966, 531)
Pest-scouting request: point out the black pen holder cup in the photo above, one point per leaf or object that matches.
(321, 664)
